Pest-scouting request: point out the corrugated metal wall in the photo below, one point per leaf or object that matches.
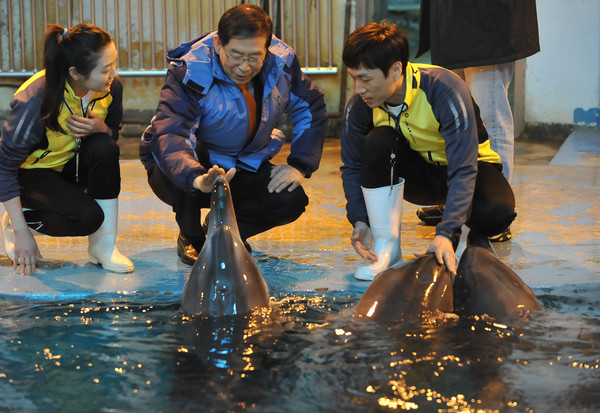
(144, 30)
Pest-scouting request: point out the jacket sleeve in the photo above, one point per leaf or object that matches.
(114, 117)
(453, 108)
(357, 122)
(307, 111)
(171, 130)
(22, 131)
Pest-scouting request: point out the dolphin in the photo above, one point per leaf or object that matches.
(485, 285)
(225, 279)
(410, 288)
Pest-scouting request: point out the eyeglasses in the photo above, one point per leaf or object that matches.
(238, 60)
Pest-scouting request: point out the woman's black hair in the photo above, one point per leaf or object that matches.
(244, 21)
(79, 47)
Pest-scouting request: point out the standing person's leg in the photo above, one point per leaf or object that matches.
(489, 86)
(258, 210)
(99, 171)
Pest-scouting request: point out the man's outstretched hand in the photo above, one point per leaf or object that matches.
(205, 182)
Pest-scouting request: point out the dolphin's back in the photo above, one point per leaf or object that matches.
(485, 285)
(408, 289)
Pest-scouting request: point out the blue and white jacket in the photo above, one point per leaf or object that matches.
(199, 102)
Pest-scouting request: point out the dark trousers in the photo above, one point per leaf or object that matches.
(493, 206)
(62, 204)
(256, 209)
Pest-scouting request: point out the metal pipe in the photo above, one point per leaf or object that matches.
(188, 21)
(162, 73)
(318, 18)
(69, 14)
(11, 50)
(141, 32)
(330, 35)
(34, 34)
(22, 29)
(294, 27)
(117, 38)
(164, 27)
(176, 24)
(152, 36)
(306, 40)
(128, 25)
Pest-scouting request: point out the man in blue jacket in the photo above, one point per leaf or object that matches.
(217, 114)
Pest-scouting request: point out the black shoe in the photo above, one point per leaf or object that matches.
(431, 215)
(503, 236)
(185, 250)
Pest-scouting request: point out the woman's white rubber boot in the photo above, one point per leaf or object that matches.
(102, 249)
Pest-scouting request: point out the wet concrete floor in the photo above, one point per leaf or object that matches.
(556, 236)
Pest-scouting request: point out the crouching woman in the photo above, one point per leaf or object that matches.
(59, 160)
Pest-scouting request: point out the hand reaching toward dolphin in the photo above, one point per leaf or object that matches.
(205, 182)
(362, 241)
(444, 253)
(285, 176)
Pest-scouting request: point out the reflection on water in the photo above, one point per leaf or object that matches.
(306, 353)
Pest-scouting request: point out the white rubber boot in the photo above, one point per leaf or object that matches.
(9, 237)
(385, 219)
(102, 249)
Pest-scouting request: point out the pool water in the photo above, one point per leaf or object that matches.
(307, 353)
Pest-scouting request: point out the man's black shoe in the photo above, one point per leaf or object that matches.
(431, 215)
(185, 250)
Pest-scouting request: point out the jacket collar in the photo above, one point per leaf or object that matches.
(203, 64)
(413, 82)
(73, 101)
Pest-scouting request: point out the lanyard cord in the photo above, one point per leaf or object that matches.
(84, 112)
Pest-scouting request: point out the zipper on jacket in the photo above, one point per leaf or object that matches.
(42, 156)
(84, 112)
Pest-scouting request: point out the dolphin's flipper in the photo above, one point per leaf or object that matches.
(485, 285)
(408, 289)
(225, 279)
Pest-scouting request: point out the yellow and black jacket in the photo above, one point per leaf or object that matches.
(26, 143)
(440, 122)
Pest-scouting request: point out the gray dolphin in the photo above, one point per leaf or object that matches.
(225, 279)
(407, 289)
(485, 285)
